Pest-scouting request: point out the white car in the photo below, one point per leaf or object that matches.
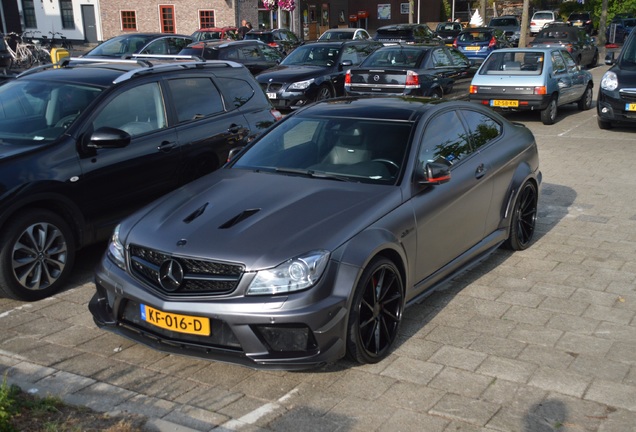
(540, 19)
(344, 34)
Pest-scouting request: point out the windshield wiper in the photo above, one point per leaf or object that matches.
(313, 174)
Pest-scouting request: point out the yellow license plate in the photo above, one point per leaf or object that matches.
(504, 103)
(630, 107)
(472, 48)
(180, 323)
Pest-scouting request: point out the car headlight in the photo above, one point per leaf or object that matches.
(116, 250)
(301, 85)
(609, 81)
(293, 275)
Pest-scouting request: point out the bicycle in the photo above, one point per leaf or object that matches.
(21, 55)
(52, 43)
(40, 53)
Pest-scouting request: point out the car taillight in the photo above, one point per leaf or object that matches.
(492, 43)
(412, 79)
(473, 89)
(541, 90)
(569, 47)
(455, 43)
(348, 77)
(533, 23)
(273, 44)
(277, 115)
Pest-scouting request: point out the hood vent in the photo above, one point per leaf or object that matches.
(239, 217)
(195, 214)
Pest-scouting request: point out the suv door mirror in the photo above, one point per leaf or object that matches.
(108, 137)
(434, 173)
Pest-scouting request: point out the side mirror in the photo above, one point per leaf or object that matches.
(434, 173)
(609, 58)
(108, 137)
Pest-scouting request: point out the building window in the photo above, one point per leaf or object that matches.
(206, 19)
(167, 19)
(128, 20)
(66, 9)
(28, 9)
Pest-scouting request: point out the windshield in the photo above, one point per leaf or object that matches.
(34, 111)
(310, 55)
(121, 45)
(336, 35)
(628, 54)
(263, 37)
(503, 22)
(394, 56)
(359, 150)
(513, 63)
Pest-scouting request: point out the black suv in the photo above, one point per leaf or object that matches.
(582, 20)
(410, 33)
(616, 102)
(282, 39)
(85, 144)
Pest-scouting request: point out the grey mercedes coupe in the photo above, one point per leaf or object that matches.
(309, 244)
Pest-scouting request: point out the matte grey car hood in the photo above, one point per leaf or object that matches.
(259, 219)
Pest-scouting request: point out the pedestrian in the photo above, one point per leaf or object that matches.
(243, 29)
(249, 26)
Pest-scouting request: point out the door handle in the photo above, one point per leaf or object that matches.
(234, 128)
(167, 146)
(480, 171)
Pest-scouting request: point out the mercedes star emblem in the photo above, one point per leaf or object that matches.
(170, 275)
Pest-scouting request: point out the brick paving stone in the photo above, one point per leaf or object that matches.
(612, 331)
(619, 421)
(520, 298)
(28, 372)
(195, 418)
(417, 371)
(507, 369)
(461, 382)
(100, 396)
(207, 396)
(305, 419)
(411, 396)
(451, 336)
(61, 382)
(560, 381)
(623, 352)
(503, 347)
(599, 367)
(552, 290)
(611, 314)
(583, 344)
(409, 421)
(536, 335)
(416, 348)
(362, 414)
(147, 406)
(266, 386)
(528, 315)
(613, 394)
(455, 407)
(572, 324)
(482, 291)
(546, 356)
(493, 326)
(458, 357)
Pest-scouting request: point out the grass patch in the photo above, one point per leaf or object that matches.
(23, 412)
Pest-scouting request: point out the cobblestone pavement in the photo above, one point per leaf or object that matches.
(539, 340)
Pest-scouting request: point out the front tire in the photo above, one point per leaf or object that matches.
(523, 219)
(376, 312)
(36, 256)
(585, 103)
(324, 92)
(549, 114)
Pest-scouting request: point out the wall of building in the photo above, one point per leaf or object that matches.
(385, 12)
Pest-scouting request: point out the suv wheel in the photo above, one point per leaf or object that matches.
(324, 92)
(38, 250)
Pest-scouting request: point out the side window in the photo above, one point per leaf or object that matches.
(235, 91)
(557, 62)
(446, 138)
(250, 53)
(229, 54)
(482, 129)
(441, 58)
(458, 58)
(159, 46)
(569, 61)
(175, 45)
(195, 98)
(137, 110)
(270, 54)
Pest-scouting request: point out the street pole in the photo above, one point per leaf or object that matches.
(523, 39)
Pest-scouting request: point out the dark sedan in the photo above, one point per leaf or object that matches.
(253, 54)
(410, 70)
(310, 243)
(448, 31)
(578, 43)
(312, 72)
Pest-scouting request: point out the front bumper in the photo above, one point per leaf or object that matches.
(293, 331)
(611, 105)
(281, 98)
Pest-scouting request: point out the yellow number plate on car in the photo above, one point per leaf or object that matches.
(630, 107)
(504, 103)
(180, 323)
(472, 48)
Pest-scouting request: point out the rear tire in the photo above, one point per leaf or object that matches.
(549, 114)
(36, 256)
(585, 103)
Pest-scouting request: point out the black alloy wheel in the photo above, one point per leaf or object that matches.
(324, 92)
(376, 312)
(38, 251)
(523, 218)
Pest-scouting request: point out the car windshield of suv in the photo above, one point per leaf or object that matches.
(513, 63)
(503, 22)
(628, 54)
(310, 55)
(358, 150)
(34, 112)
(121, 45)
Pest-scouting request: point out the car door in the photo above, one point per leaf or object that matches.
(578, 76)
(443, 63)
(119, 180)
(562, 77)
(450, 217)
(207, 126)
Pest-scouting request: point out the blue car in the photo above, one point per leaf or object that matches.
(532, 79)
(477, 43)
